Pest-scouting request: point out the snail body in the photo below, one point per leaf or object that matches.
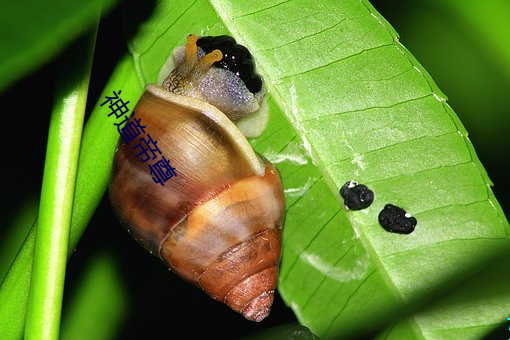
(218, 222)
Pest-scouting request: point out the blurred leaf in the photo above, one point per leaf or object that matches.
(476, 16)
(16, 232)
(32, 32)
(286, 332)
(99, 303)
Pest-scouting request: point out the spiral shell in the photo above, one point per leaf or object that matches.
(218, 223)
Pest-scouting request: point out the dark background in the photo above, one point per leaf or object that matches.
(160, 302)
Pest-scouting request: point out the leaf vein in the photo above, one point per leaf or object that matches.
(369, 108)
(304, 37)
(435, 243)
(398, 144)
(310, 296)
(262, 10)
(167, 29)
(418, 172)
(335, 61)
(348, 299)
(309, 242)
(450, 205)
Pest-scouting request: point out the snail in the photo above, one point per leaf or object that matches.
(218, 222)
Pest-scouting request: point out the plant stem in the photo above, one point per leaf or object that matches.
(96, 156)
(57, 195)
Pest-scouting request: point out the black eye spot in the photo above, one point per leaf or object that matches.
(236, 58)
(396, 220)
(356, 196)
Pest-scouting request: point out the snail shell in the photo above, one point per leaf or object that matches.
(218, 223)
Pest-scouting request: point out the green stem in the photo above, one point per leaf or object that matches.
(96, 155)
(57, 194)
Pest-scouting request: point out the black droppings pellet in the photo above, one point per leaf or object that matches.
(396, 220)
(356, 196)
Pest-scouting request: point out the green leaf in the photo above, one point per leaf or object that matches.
(361, 108)
(450, 38)
(474, 16)
(33, 32)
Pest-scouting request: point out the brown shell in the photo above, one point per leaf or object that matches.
(218, 223)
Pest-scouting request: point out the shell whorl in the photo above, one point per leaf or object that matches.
(239, 233)
(218, 223)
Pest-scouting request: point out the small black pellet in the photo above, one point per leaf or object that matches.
(356, 196)
(396, 220)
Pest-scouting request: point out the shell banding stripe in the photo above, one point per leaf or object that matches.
(130, 196)
(232, 280)
(232, 217)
